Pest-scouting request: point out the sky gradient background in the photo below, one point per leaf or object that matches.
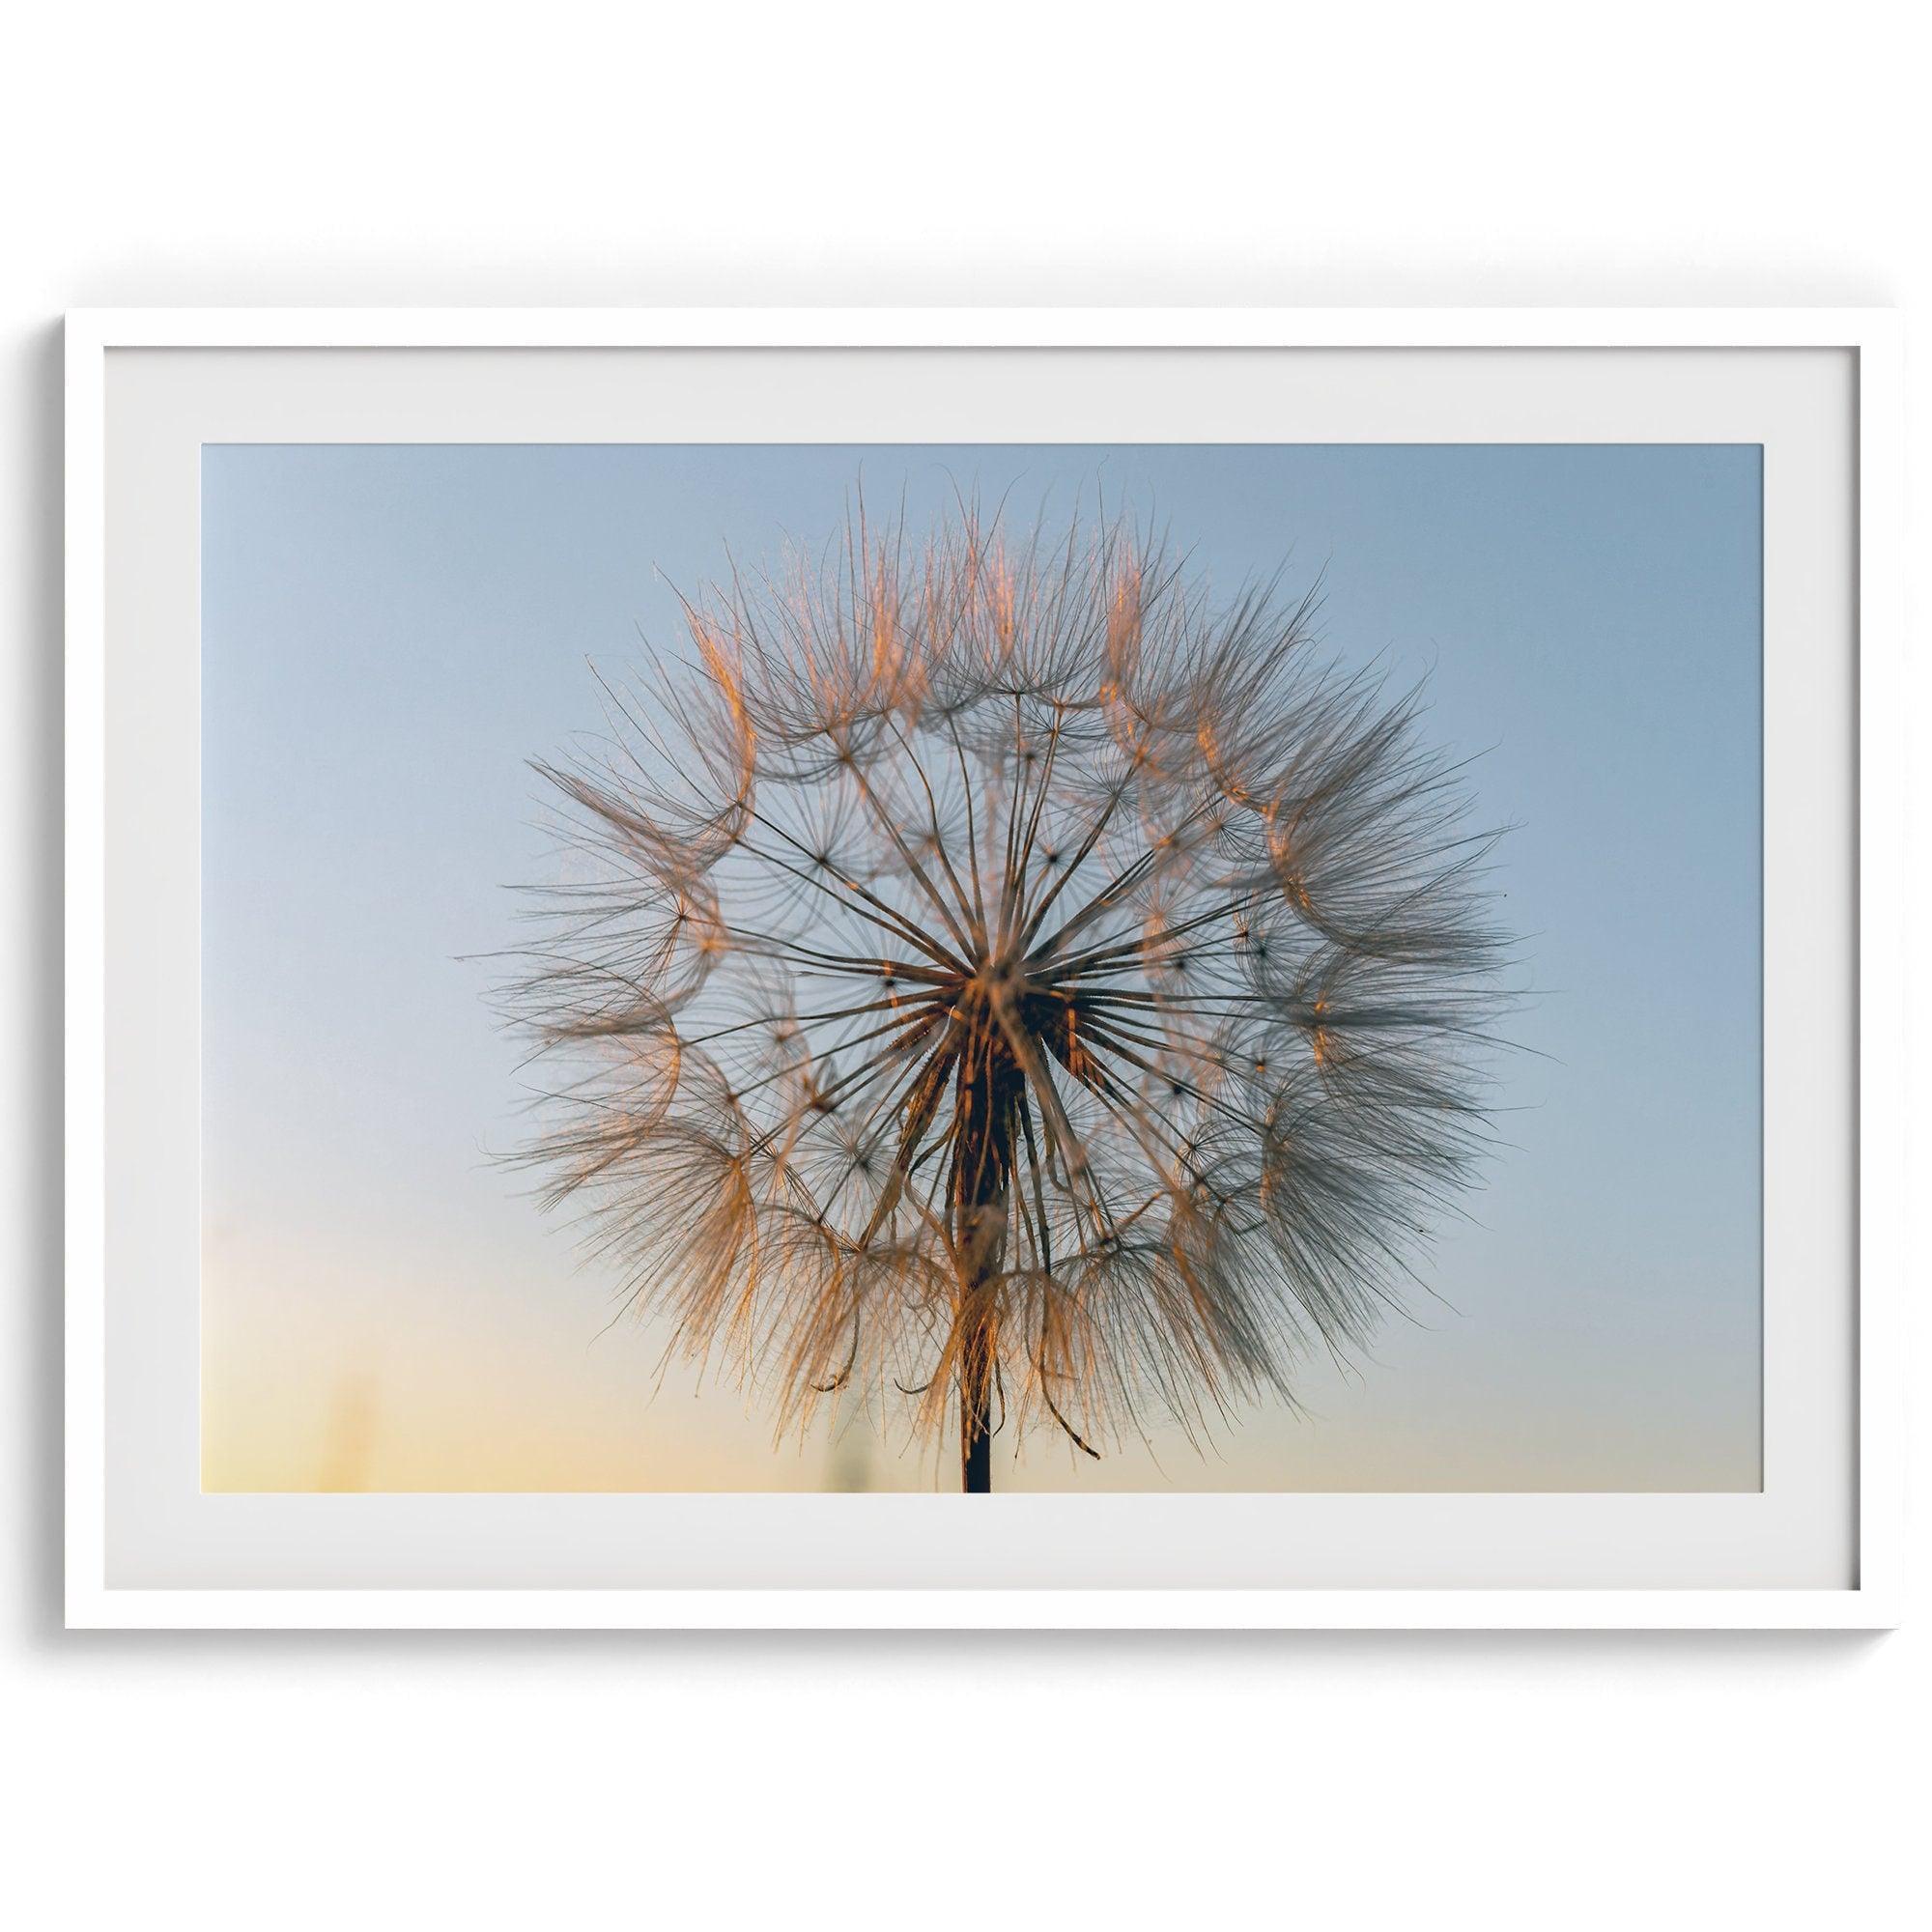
(389, 633)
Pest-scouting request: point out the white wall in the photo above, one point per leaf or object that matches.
(357, 153)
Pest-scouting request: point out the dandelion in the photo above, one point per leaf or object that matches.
(992, 971)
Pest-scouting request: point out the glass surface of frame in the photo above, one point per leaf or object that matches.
(1321, 426)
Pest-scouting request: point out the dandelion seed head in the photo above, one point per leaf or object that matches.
(990, 964)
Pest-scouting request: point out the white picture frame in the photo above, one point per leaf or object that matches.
(1873, 1513)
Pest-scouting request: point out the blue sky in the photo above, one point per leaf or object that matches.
(390, 632)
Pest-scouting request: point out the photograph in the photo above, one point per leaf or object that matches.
(1068, 967)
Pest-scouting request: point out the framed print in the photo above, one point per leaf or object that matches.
(998, 968)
